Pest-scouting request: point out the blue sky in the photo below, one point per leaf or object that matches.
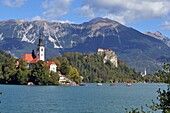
(143, 15)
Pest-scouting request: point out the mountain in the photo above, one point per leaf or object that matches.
(159, 36)
(138, 50)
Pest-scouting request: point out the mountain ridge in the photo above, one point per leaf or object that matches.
(158, 35)
(135, 48)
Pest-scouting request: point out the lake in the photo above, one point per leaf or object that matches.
(76, 99)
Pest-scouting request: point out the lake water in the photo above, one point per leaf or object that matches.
(76, 99)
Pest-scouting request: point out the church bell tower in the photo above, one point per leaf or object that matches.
(41, 50)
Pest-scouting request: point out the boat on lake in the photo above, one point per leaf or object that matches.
(82, 84)
(112, 84)
(99, 84)
(128, 84)
(30, 83)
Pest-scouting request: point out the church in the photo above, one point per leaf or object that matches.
(39, 55)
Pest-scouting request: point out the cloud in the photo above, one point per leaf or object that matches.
(63, 21)
(37, 18)
(60, 21)
(166, 25)
(13, 3)
(86, 11)
(125, 11)
(55, 8)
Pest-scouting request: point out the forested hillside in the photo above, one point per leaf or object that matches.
(92, 68)
(4, 56)
(73, 65)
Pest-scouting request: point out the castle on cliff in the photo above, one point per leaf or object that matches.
(108, 55)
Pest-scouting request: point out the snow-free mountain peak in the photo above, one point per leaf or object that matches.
(158, 35)
(133, 47)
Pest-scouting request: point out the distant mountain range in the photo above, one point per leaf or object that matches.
(159, 36)
(138, 50)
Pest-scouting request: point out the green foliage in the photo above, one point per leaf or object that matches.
(54, 78)
(4, 56)
(40, 75)
(164, 102)
(11, 74)
(74, 75)
(163, 96)
(22, 73)
(92, 68)
(164, 74)
(8, 71)
(65, 68)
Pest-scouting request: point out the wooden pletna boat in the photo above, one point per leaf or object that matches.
(99, 84)
(82, 84)
(112, 84)
(129, 84)
(30, 83)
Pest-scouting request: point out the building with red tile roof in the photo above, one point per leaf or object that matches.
(40, 55)
(52, 66)
(35, 60)
(27, 57)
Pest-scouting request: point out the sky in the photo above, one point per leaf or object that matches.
(142, 15)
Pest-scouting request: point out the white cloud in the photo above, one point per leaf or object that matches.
(63, 21)
(13, 3)
(55, 8)
(166, 25)
(85, 10)
(125, 11)
(37, 18)
(119, 18)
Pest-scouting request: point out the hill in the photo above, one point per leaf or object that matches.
(93, 69)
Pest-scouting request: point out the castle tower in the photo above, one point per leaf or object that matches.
(41, 50)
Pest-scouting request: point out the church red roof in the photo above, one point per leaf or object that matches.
(27, 57)
(35, 60)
